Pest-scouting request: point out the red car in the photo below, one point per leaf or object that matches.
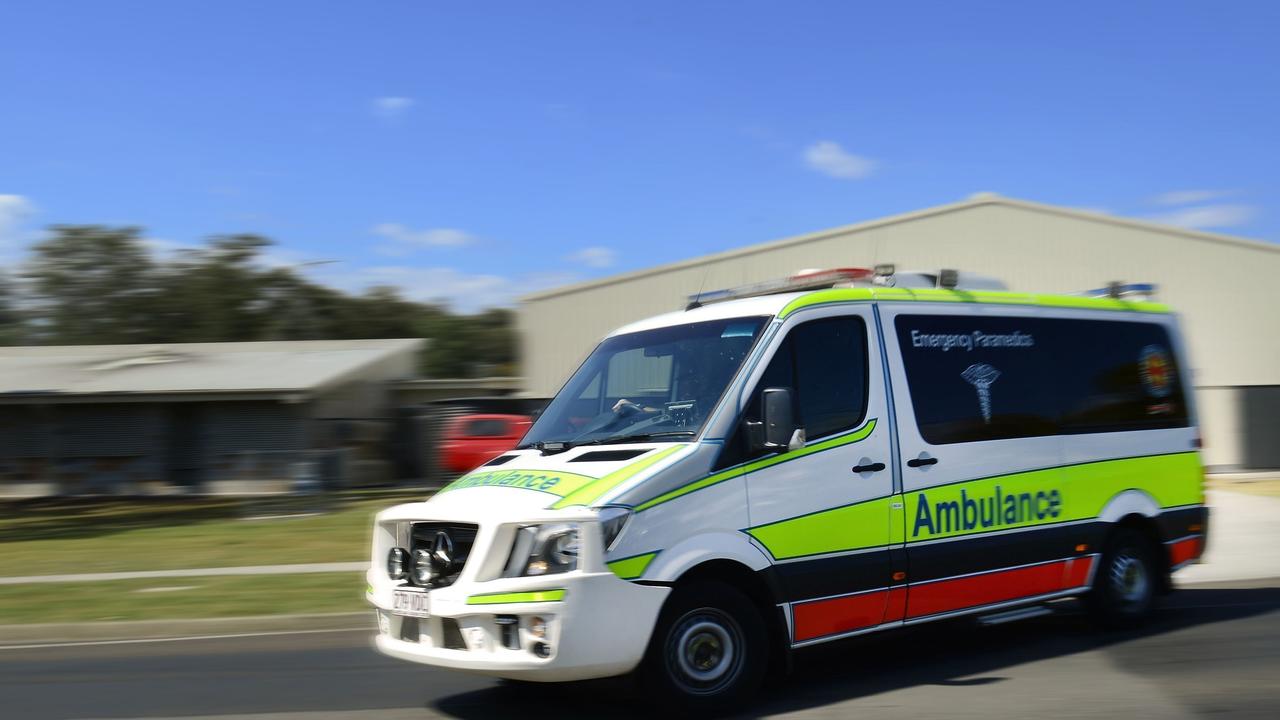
(472, 440)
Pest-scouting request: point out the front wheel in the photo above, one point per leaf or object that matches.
(708, 652)
(1124, 587)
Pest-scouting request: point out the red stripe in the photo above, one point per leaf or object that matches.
(1184, 550)
(896, 608)
(1076, 573)
(985, 589)
(843, 614)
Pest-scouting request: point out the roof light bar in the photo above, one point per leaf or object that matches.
(1119, 290)
(803, 280)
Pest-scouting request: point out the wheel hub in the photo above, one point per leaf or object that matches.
(706, 647)
(1129, 578)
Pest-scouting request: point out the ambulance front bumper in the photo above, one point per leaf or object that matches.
(572, 626)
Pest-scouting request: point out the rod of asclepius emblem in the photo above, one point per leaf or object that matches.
(981, 376)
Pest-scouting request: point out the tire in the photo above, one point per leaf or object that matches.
(1125, 585)
(708, 653)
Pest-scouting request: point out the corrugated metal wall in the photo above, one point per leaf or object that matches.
(1222, 289)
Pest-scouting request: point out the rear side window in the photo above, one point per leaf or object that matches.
(992, 378)
(1118, 376)
(978, 378)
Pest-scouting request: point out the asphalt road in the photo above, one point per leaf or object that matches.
(1212, 650)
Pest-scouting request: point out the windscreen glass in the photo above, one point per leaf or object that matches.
(658, 384)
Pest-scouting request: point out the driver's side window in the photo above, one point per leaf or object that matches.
(824, 363)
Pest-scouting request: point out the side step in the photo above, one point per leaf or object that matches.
(1024, 613)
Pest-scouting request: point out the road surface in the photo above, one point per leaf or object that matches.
(1214, 649)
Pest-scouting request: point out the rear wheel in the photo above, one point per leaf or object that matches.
(1125, 584)
(708, 652)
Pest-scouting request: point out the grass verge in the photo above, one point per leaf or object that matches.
(182, 598)
(120, 535)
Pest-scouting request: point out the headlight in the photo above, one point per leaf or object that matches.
(612, 522)
(398, 563)
(543, 550)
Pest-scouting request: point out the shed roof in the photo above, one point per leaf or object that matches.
(291, 368)
(977, 200)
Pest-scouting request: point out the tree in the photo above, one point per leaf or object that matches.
(12, 330)
(217, 293)
(96, 284)
(93, 284)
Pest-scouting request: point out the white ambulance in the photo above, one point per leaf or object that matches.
(793, 463)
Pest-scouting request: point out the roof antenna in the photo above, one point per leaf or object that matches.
(696, 302)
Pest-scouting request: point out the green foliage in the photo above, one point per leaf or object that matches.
(92, 284)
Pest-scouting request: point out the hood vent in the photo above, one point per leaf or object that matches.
(499, 460)
(609, 455)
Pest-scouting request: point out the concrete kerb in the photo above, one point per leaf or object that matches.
(52, 633)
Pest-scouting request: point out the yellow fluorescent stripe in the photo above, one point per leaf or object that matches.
(845, 528)
(851, 437)
(516, 597)
(632, 567)
(588, 494)
(1052, 495)
(1037, 497)
(844, 295)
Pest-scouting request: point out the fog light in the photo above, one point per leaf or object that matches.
(538, 627)
(397, 563)
(422, 569)
(508, 631)
(384, 623)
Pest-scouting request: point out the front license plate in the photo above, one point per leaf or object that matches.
(413, 604)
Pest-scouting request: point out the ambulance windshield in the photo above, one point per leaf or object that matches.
(654, 385)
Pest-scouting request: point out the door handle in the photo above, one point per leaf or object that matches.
(922, 461)
(869, 467)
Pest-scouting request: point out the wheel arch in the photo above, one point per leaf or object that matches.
(1139, 511)
(736, 562)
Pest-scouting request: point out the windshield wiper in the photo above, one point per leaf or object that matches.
(639, 437)
(552, 447)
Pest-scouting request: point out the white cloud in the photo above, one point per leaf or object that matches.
(14, 211)
(1190, 197)
(405, 240)
(828, 158)
(595, 257)
(1208, 216)
(390, 108)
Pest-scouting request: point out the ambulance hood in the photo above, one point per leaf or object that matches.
(527, 480)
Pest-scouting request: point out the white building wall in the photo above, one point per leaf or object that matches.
(1222, 287)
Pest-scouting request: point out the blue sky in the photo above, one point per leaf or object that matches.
(478, 151)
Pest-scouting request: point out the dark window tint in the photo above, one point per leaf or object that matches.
(1117, 376)
(824, 362)
(978, 378)
(829, 358)
(990, 378)
(487, 428)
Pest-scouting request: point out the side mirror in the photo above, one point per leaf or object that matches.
(778, 418)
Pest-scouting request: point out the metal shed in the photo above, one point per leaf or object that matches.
(1222, 286)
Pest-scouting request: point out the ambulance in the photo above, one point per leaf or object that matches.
(792, 463)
